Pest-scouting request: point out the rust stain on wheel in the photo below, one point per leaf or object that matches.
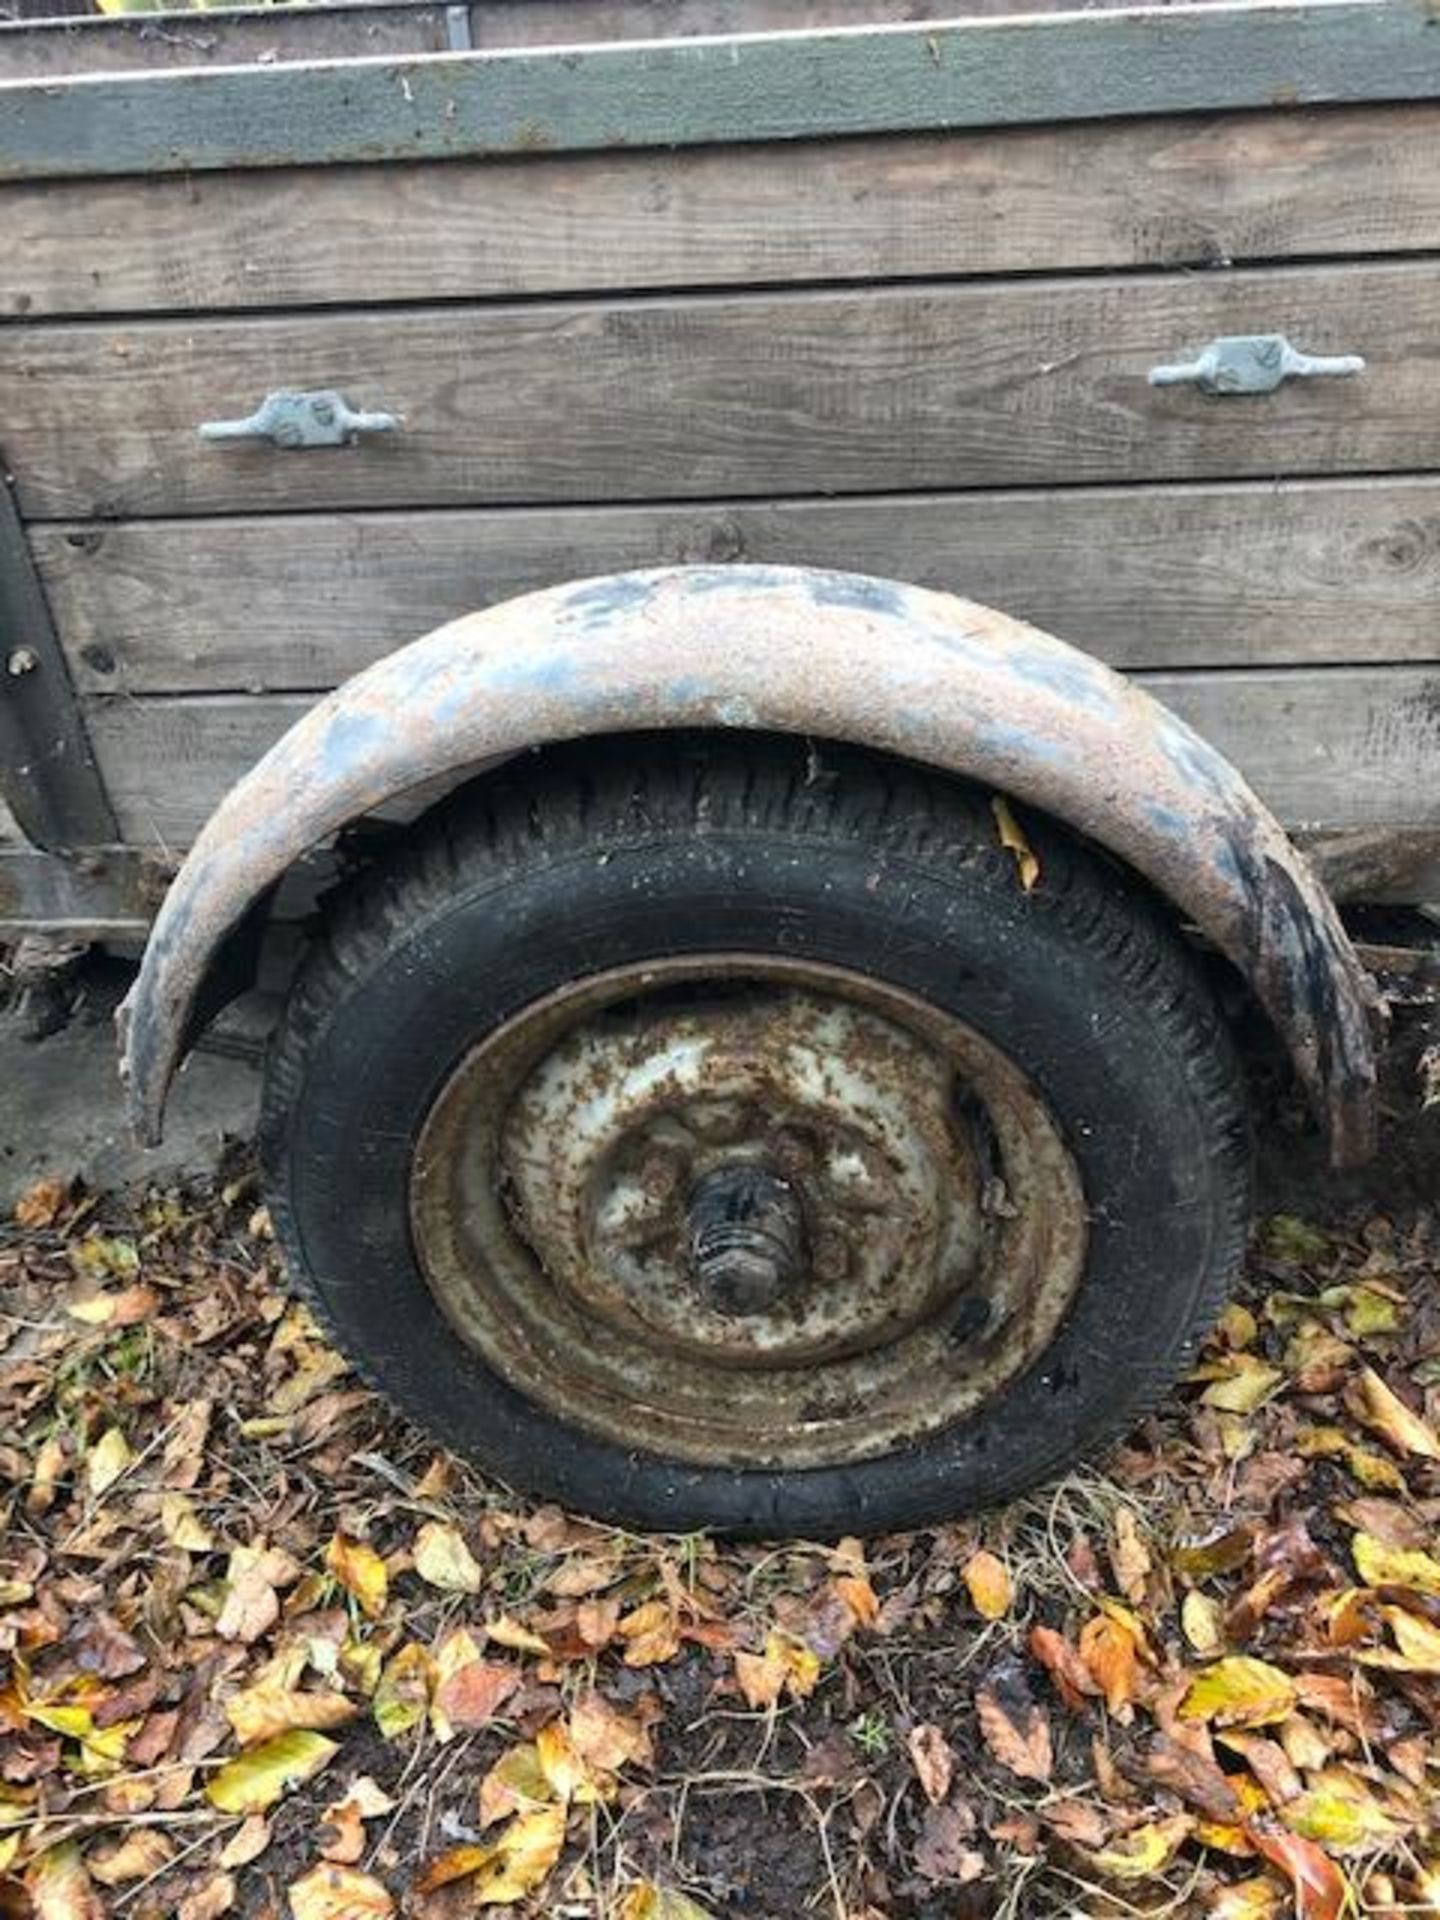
(743, 1210)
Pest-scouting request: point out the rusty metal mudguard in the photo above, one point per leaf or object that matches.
(832, 655)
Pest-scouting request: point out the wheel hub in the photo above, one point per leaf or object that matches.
(746, 1231)
(761, 1178)
(747, 1210)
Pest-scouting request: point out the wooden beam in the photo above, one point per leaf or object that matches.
(991, 383)
(1115, 194)
(689, 92)
(1337, 748)
(1325, 572)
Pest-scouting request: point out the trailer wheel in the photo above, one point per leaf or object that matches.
(708, 1132)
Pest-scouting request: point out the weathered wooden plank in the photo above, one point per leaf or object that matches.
(687, 92)
(1334, 748)
(987, 383)
(1148, 193)
(47, 49)
(1317, 572)
(50, 49)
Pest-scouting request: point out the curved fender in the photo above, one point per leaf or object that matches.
(834, 655)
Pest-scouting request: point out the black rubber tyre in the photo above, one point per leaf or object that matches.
(658, 846)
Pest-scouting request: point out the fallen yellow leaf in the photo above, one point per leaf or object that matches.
(1247, 1900)
(258, 1713)
(988, 1584)
(506, 1632)
(646, 1901)
(257, 1779)
(182, 1526)
(1247, 1384)
(1202, 1621)
(1382, 1566)
(402, 1696)
(651, 1634)
(1143, 1850)
(515, 1784)
(1012, 838)
(443, 1560)
(787, 1664)
(1387, 1414)
(361, 1571)
(1239, 1692)
(107, 1460)
(514, 1864)
(1417, 1644)
(330, 1892)
(1339, 1811)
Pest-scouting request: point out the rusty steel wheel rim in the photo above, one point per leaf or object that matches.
(745, 1210)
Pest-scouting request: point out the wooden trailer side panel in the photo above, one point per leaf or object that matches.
(922, 354)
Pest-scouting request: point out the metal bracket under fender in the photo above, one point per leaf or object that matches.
(837, 656)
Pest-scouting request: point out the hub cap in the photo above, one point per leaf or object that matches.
(747, 1211)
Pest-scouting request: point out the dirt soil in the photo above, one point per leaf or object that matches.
(266, 1653)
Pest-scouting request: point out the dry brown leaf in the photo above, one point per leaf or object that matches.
(1012, 1724)
(1073, 1679)
(142, 1852)
(934, 1761)
(606, 1738)
(1269, 1763)
(1194, 1776)
(59, 1886)
(472, 1694)
(345, 1820)
(1080, 1822)
(42, 1204)
(1108, 1650)
(247, 1843)
(1130, 1557)
(213, 1898)
(651, 1633)
(943, 1852)
(252, 1604)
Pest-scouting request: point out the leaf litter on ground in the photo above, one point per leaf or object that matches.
(267, 1653)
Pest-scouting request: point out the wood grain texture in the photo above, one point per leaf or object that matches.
(1318, 572)
(693, 92)
(1146, 193)
(1336, 749)
(48, 48)
(985, 384)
